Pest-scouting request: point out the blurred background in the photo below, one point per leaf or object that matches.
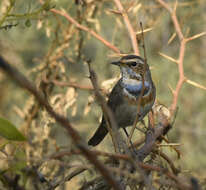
(52, 52)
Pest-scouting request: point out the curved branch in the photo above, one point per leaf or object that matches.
(130, 29)
(84, 28)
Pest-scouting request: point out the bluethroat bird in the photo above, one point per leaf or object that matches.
(123, 99)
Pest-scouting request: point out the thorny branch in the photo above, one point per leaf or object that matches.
(181, 52)
(183, 40)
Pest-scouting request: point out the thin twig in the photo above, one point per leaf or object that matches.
(70, 84)
(76, 172)
(84, 28)
(96, 152)
(169, 161)
(9, 8)
(141, 93)
(130, 29)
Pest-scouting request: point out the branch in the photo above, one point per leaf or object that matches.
(180, 60)
(173, 168)
(70, 84)
(76, 172)
(152, 135)
(72, 152)
(144, 151)
(183, 40)
(84, 28)
(142, 90)
(130, 29)
(9, 8)
(108, 114)
(22, 81)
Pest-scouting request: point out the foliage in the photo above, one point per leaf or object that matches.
(9, 131)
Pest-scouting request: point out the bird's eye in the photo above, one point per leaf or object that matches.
(133, 64)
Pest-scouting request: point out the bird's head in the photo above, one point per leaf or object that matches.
(132, 67)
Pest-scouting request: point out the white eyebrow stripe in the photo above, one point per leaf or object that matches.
(131, 60)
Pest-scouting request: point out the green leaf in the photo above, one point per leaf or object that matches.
(9, 131)
(28, 23)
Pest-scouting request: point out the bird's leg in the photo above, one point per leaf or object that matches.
(126, 132)
(130, 140)
(127, 135)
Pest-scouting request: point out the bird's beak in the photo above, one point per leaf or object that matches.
(116, 63)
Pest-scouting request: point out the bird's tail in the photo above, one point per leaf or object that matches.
(98, 136)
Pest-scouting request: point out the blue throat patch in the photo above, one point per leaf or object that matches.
(135, 90)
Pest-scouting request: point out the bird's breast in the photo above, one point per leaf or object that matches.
(132, 94)
(129, 93)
